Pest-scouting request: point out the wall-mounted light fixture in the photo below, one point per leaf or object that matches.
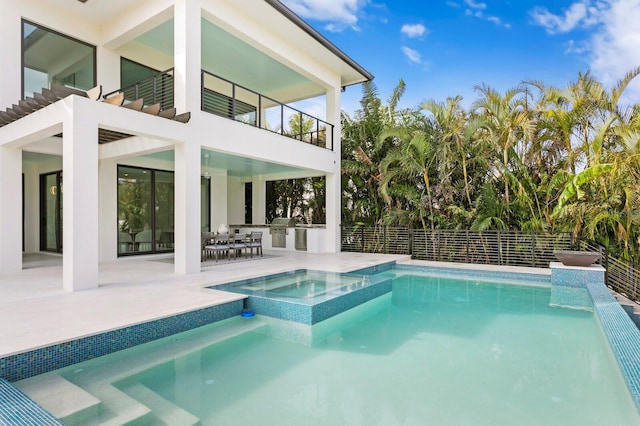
(206, 174)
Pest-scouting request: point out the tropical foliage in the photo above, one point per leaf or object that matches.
(536, 157)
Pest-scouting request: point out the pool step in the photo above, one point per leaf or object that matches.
(89, 398)
(118, 408)
(163, 410)
(63, 399)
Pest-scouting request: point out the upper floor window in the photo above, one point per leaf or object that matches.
(50, 57)
(132, 72)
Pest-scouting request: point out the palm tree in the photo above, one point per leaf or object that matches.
(507, 121)
(450, 121)
(363, 152)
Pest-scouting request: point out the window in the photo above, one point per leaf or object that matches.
(145, 210)
(132, 72)
(51, 212)
(248, 202)
(51, 57)
(139, 81)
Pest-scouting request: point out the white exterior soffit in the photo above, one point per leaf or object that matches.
(100, 11)
(352, 72)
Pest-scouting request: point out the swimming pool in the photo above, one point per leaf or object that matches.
(436, 350)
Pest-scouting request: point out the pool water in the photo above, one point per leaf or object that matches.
(435, 351)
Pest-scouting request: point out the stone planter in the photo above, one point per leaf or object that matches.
(576, 258)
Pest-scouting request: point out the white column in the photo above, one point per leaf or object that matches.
(108, 73)
(186, 51)
(187, 208)
(219, 200)
(333, 117)
(11, 211)
(80, 199)
(10, 59)
(333, 212)
(108, 215)
(334, 187)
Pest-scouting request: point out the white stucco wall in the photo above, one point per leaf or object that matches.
(235, 200)
(90, 171)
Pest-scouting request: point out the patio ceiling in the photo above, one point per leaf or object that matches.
(235, 166)
(229, 57)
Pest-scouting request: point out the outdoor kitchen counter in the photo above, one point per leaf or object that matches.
(316, 236)
(252, 226)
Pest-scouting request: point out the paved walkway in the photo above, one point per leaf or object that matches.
(35, 311)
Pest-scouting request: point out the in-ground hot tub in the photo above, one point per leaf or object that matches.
(308, 296)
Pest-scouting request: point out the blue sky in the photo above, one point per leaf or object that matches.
(443, 48)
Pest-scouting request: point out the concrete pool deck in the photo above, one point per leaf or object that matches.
(36, 312)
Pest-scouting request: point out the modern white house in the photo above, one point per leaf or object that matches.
(128, 127)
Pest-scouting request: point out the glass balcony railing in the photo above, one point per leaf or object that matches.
(224, 98)
(157, 89)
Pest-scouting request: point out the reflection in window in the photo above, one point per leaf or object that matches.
(50, 57)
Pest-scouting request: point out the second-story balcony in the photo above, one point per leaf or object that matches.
(227, 99)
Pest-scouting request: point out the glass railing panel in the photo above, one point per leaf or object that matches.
(155, 89)
(227, 99)
(272, 116)
(245, 106)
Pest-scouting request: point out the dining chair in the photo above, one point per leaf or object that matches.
(255, 242)
(237, 244)
(220, 244)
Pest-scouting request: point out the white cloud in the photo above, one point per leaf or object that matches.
(414, 30)
(612, 45)
(616, 45)
(577, 47)
(472, 4)
(478, 10)
(579, 14)
(453, 4)
(412, 55)
(339, 13)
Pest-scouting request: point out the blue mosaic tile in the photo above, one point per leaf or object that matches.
(375, 268)
(576, 276)
(38, 361)
(330, 308)
(17, 409)
(570, 297)
(622, 334)
(495, 276)
(319, 308)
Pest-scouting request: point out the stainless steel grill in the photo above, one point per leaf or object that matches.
(279, 229)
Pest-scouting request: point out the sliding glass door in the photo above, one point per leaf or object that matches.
(51, 212)
(145, 210)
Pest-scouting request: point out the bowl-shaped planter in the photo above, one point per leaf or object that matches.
(576, 258)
